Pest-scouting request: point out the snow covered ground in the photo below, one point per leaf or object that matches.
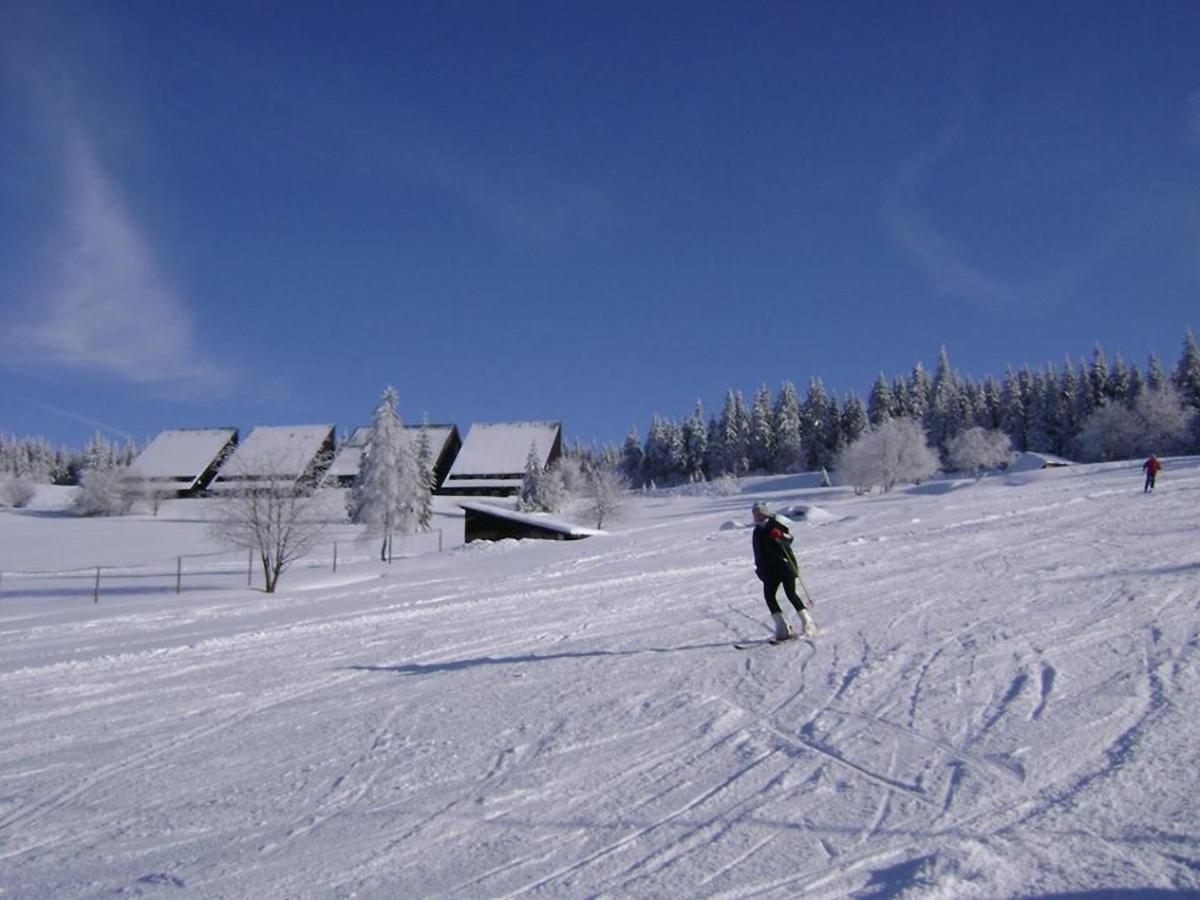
(1004, 701)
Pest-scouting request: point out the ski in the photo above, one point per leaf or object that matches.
(766, 642)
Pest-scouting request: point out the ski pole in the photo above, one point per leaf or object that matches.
(804, 587)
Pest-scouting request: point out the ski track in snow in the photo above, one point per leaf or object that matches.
(999, 703)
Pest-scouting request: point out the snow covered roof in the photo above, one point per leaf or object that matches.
(349, 455)
(1031, 461)
(536, 521)
(277, 452)
(183, 455)
(497, 451)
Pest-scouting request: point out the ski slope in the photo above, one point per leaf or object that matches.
(1003, 701)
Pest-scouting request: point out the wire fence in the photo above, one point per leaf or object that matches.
(216, 571)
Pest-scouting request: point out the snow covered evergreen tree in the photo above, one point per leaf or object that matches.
(387, 491)
(426, 479)
(816, 420)
(880, 402)
(1155, 376)
(785, 418)
(633, 457)
(695, 445)
(1186, 376)
(528, 499)
(731, 449)
(919, 394)
(762, 432)
(854, 420)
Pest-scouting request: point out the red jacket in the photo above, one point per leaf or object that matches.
(1152, 466)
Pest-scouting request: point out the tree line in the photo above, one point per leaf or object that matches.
(1090, 410)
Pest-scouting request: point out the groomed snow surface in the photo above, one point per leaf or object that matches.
(1003, 701)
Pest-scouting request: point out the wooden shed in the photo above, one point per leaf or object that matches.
(488, 522)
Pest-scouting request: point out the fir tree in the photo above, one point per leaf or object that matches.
(695, 444)
(854, 420)
(762, 432)
(386, 492)
(632, 457)
(789, 447)
(1186, 376)
(880, 401)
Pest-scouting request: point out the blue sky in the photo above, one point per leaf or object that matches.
(263, 213)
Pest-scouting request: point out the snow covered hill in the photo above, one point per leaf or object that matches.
(1003, 701)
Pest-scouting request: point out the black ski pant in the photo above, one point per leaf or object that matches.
(771, 588)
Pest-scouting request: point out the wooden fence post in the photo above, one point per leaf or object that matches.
(249, 566)
(96, 590)
(178, 574)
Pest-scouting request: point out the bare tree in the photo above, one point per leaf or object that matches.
(274, 515)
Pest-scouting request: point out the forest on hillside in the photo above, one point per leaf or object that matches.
(1089, 410)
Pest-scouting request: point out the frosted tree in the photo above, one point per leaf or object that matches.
(103, 492)
(607, 493)
(387, 490)
(17, 492)
(979, 450)
(896, 451)
(1158, 422)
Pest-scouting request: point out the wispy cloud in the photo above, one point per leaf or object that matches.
(105, 304)
(99, 300)
(72, 416)
(947, 265)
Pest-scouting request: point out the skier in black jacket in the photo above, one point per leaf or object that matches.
(776, 565)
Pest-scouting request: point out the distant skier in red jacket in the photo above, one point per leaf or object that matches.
(1152, 467)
